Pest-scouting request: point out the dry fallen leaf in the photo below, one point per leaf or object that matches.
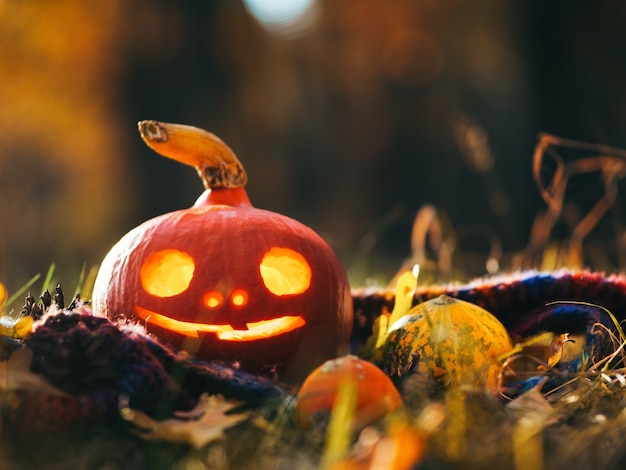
(15, 375)
(202, 425)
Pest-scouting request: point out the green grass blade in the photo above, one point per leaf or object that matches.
(48, 279)
(22, 289)
(81, 280)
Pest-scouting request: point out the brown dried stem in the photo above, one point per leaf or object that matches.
(610, 162)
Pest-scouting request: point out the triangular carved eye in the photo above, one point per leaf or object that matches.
(167, 273)
(285, 272)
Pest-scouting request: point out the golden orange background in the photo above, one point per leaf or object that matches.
(350, 127)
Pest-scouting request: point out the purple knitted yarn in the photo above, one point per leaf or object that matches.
(96, 363)
(91, 358)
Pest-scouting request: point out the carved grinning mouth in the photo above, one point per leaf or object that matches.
(254, 332)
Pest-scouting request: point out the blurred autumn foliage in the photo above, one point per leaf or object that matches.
(63, 186)
(349, 126)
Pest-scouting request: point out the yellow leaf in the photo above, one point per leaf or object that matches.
(204, 424)
(340, 426)
(3, 295)
(17, 328)
(405, 290)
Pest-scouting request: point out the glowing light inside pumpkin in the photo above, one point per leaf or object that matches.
(285, 272)
(256, 330)
(167, 273)
(212, 299)
(239, 298)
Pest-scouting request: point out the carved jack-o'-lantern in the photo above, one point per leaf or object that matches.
(225, 280)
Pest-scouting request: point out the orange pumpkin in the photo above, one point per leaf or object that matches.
(376, 393)
(225, 280)
(449, 340)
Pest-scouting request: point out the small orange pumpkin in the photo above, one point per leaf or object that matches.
(376, 393)
(223, 279)
(448, 340)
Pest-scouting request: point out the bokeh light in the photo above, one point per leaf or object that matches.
(287, 18)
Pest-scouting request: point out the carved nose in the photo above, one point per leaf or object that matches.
(239, 298)
(212, 299)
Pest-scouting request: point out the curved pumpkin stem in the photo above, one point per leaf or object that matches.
(216, 163)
